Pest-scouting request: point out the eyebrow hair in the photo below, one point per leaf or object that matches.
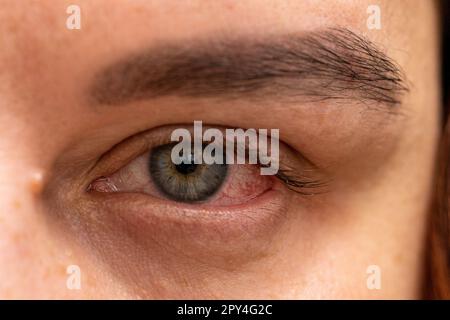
(329, 64)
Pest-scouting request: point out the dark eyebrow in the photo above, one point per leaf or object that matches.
(323, 65)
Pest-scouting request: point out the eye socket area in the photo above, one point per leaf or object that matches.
(154, 174)
(246, 212)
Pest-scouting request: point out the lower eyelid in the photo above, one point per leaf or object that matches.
(199, 230)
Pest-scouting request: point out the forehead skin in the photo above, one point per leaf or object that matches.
(45, 70)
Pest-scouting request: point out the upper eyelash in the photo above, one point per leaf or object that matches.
(296, 182)
(300, 183)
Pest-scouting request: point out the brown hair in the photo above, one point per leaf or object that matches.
(438, 275)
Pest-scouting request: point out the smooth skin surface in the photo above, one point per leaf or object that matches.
(281, 246)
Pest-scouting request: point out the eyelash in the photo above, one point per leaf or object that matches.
(289, 177)
(298, 183)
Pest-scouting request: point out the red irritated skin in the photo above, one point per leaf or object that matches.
(81, 112)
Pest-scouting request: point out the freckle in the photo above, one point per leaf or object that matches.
(68, 252)
(398, 258)
(17, 204)
(229, 6)
(62, 270)
(16, 238)
(184, 282)
(36, 182)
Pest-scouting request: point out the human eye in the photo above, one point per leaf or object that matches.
(150, 170)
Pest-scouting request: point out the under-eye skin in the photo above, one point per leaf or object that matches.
(186, 182)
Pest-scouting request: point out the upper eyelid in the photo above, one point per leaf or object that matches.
(139, 144)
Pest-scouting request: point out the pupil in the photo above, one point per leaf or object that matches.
(186, 168)
(186, 182)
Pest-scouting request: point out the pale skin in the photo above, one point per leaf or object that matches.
(374, 213)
